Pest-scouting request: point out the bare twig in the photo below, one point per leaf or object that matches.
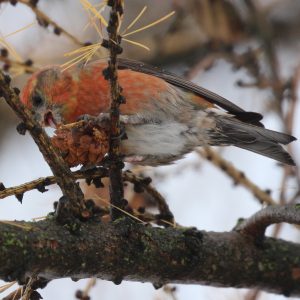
(41, 183)
(84, 294)
(238, 176)
(10, 64)
(257, 224)
(44, 21)
(115, 169)
(144, 183)
(165, 215)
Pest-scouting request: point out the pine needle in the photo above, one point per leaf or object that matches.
(89, 7)
(39, 218)
(6, 286)
(135, 20)
(118, 208)
(137, 44)
(11, 50)
(93, 23)
(151, 24)
(19, 30)
(81, 49)
(9, 47)
(12, 223)
(88, 53)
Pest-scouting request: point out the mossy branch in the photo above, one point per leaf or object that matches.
(125, 250)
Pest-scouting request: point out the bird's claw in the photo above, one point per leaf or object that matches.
(101, 120)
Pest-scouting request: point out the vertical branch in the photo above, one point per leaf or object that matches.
(63, 174)
(115, 170)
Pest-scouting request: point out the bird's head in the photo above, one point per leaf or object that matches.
(48, 94)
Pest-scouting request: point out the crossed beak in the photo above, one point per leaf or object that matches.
(49, 120)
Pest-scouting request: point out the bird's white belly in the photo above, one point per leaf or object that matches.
(155, 139)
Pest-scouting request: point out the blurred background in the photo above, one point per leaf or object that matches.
(247, 51)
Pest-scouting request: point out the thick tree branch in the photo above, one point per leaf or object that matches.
(131, 251)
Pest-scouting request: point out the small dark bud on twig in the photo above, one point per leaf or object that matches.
(157, 285)
(7, 79)
(117, 280)
(79, 294)
(147, 180)
(138, 188)
(13, 2)
(4, 52)
(19, 197)
(121, 99)
(28, 62)
(268, 191)
(98, 183)
(2, 187)
(110, 3)
(21, 128)
(34, 2)
(88, 181)
(105, 44)
(47, 181)
(42, 22)
(41, 188)
(57, 31)
(55, 205)
(16, 90)
(106, 73)
(6, 67)
(35, 296)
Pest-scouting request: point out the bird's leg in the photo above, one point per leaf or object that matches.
(103, 119)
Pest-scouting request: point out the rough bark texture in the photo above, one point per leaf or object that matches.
(116, 165)
(131, 251)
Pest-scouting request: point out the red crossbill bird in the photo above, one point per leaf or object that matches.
(165, 116)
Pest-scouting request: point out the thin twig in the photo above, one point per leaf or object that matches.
(163, 207)
(41, 183)
(44, 20)
(115, 169)
(238, 176)
(17, 65)
(165, 215)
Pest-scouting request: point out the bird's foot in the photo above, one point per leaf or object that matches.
(102, 120)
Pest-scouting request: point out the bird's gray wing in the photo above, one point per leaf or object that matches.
(249, 117)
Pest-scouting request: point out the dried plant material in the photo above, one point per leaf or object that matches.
(85, 145)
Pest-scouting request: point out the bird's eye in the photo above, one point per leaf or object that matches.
(37, 100)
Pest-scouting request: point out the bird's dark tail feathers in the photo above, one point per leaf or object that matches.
(256, 139)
